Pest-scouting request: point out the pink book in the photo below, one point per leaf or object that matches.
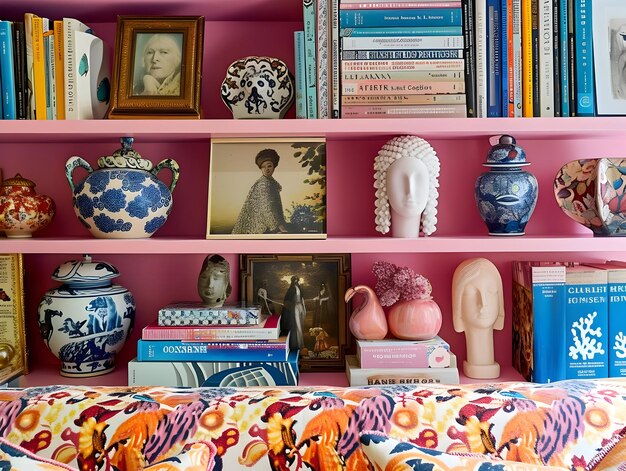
(267, 329)
(394, 353)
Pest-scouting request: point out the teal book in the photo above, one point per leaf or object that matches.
(539, 320)
(584, 78)
(400, 17)
(586, 322)
(7, 67)
(299, 53)
(197, 350)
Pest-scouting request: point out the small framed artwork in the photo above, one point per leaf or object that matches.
(609, 54)
(158, 67)
(308, 293)
(267, 188)
(13, 361)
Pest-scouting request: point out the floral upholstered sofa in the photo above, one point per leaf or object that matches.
(574, 425)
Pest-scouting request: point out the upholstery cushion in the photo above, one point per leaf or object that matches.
(16, 458)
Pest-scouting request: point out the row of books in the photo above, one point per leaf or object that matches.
(192, 345)
(402, 59)
(569, 320)
(394, 361)
(52, 69)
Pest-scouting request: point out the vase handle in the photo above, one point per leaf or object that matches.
(71, 164)
(173, 167)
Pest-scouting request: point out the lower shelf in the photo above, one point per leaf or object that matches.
(119, 377)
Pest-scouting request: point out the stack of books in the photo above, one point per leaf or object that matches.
(192, 345)
(393, 361)
(402, 59)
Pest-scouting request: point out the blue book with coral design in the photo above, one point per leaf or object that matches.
(586, 322)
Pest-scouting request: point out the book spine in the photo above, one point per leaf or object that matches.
(391, 376)
(527, 60)
(399, 5)
(19, 52)
(545, 59)
(585, 97)
(404, 357)
(362, 100)
(403, 54)
(200, 333)
(70, 65)
(298, 37)
(39, 69)
(310, 61)
(571, 49)
(556, 56)
(404, 65)
(415, 75)
(335, 100)
(481, 58)
(536, 56)
(617, 323)
(7, 66)
(185, 314)
(564, 58)
(30, 80)
(412, 17)
(402, 42)
(401, 31)
(384, 3)
(197, 351)
(48, 44)
(468, 49)
(322, 59)
(494, 76)
(505, 49)
(405, 111)
(59, 74)
(517, 59)
(586, 324)
(383, 87)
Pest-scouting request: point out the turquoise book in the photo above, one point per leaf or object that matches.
(583, 58)
(539, 320)
(400, 17)
(299, 53)
(586, 322)
(7, 66)
(616, 342)
(309, 8)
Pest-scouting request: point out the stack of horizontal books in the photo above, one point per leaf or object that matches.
(193, 345)
(393, 361)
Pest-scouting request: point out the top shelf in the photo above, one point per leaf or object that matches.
(183, 130)
(96, 11)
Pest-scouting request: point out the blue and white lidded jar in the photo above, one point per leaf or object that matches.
(123, 198)
(87, 320)
(506, 195)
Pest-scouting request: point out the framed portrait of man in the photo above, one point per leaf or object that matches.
(308, 293)
(267, 188)
(157, 68)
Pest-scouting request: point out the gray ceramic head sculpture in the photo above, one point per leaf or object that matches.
(214, 281)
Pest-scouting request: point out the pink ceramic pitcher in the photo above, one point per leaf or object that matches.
(368, 321)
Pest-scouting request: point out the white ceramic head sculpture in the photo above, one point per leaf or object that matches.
(478, 309)
(406, 178)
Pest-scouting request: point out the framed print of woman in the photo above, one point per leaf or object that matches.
(158, 58)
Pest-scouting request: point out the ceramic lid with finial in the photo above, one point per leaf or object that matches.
(125, 157)
(85, 273)
(506, 153)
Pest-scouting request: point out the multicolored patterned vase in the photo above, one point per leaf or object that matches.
(506, 195)
(123, 199)
(592, 193)
(22, 210)
(86, 321)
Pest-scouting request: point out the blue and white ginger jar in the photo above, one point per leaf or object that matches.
(123, 198)
(506, 195)
(86, 321)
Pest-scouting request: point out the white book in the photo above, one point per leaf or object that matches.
(481, 57)
(334, 59)
(323, 63)
(546, 59)
(401, 42)
(92, 76)
(51, 96)
(390, 376)
(70, 26)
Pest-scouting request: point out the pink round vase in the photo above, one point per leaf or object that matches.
(418, 319)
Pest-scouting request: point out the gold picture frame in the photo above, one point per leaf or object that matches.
(157, 70)
(322, 280)
(13, 361)
(289, 203)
